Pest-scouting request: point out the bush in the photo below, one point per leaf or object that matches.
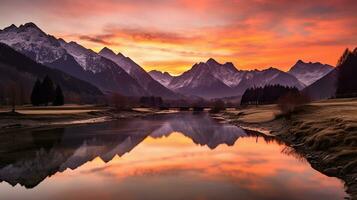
(291, 102)
(218, 106)
(120, 103)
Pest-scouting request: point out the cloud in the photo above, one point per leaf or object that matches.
(95, 40)
(252, 34)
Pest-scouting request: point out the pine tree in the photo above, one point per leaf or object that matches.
(47, 90)
(36, 98)
(347, 70)
(59, 98)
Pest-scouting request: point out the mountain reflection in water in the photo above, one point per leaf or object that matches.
(165, 158)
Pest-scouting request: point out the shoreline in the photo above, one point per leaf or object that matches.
(300, 132)
(326, 140)
(47, 118)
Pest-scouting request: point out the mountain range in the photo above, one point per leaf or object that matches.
(19, 69)
(116, 73)
(211, 79)
(138, 73)
(81, 63)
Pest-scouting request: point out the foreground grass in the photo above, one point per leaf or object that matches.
(324, 132)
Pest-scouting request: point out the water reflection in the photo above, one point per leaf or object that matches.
(161, 156)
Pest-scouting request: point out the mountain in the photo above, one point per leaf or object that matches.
(270, 76)
(104, 72)
(340, 82)
(71, 58)
(199, 81)
(323, 88)
(214, 80)
(310, 72)
(151, 86)
(17, 67)
(162, 77)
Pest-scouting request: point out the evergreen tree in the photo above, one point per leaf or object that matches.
(47, 90)
(268, 94)
(59, 98)
(36, 98)
(347, 71)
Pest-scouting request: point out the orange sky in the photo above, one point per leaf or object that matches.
(171, 35)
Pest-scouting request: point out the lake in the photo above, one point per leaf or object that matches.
(171, 156)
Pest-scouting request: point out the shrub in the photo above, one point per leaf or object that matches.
(120, 102)
(218, 106)
(291, 102)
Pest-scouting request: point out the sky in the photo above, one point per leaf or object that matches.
(172, 35)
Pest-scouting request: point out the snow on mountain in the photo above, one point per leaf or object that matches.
(214, 80)
(120, 59)
(152, 86)
(270, 76)
(33, 42)
(116, 73)
(162, 77)
(70, 57)
(199, 81)
(227, 72)
(310, 72)
(87, 58)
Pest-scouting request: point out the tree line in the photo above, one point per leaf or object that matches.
(45, 92)
(347, 71)
(268, 94)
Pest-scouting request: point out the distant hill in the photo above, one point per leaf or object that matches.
(18, 68)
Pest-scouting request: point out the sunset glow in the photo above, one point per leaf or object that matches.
(173, 35)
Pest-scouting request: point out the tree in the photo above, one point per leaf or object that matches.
(59, 98)
(120, 102)
(15, 94)
(347, 71)
(268, 94)
(47, 90)
(291, 102)
(151, 101)
(218, 106)
(36, 98)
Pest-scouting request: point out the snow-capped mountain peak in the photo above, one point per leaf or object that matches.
(33, 42)
(162, 77)
(309, 72)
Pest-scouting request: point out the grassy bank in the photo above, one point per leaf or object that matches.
(324, 132)
(28, 117)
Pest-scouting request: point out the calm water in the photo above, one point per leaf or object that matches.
(175, 156)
